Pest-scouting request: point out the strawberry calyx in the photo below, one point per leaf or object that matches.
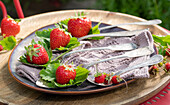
(99, 74)
(62, 28)
(69, 67)
(80, 14)
(118, 78)
(31, 51)
(16, 20)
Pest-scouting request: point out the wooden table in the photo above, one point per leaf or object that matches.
(12, 92)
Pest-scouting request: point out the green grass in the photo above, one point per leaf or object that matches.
(147, 9)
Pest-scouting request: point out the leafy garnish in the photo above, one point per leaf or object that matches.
(48, 74)
(72, 44)
(49, 78)
(44, 34)
(162, 42)
(8, 43)
(81, 74)
(45, 37)
(16, 20)
(24, 60)
(63, 24)
(95, 30)
(49, 52)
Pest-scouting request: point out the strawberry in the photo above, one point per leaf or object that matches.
(100, 77)
(155, 68)
(167, 66)
(36, 54)
(64, 73)
(9, 27)
(168, 51)
(1, 47)
(116, 79)
(79, 27)
(107, 78)
(58, 38)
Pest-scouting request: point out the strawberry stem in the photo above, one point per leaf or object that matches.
(126, 84)
(61, 55)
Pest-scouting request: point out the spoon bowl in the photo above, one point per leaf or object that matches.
(153, 60)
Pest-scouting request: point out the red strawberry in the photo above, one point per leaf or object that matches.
(116, 79)
(64, 73)
(79, 26)
(9, 27)
(58, 38)
(168, 51)
(100, 78)
(107, 79)
(1, 47)
(167, 66)
(155, 68)
(36, 54)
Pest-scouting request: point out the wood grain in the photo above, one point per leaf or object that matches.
(11, 92)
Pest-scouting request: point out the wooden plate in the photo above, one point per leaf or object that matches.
(139, 91)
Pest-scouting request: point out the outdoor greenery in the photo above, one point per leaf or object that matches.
(147, 9)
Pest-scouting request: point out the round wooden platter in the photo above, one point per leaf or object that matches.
(11, 92)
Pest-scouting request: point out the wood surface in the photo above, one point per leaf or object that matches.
(12, 92)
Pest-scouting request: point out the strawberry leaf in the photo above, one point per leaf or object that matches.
(17, 20)
(48, 74)
(95, 30)
(44, 34)
(45, 37)
(63, 24)
(49, 52)
(163, 42)
(81, 75)
(72, 44)
(24, 61)
(8, 43)
(49, 78)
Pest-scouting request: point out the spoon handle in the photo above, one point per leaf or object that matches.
(122, 47)
(149, 22)
(153, 60)
(115, 34)
(130, 54)
(103, 60)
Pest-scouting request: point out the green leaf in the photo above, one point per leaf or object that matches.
(72, 44)
(95, 30)
(81, 74)
(49, 78)
(48, 50)
(73, 41)
(48, 74)
(45, 34)
(17, 20)
(8, 43)
(163, 40)
(24, 60)
(65, 22)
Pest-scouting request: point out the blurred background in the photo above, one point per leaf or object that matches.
(147, 9)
